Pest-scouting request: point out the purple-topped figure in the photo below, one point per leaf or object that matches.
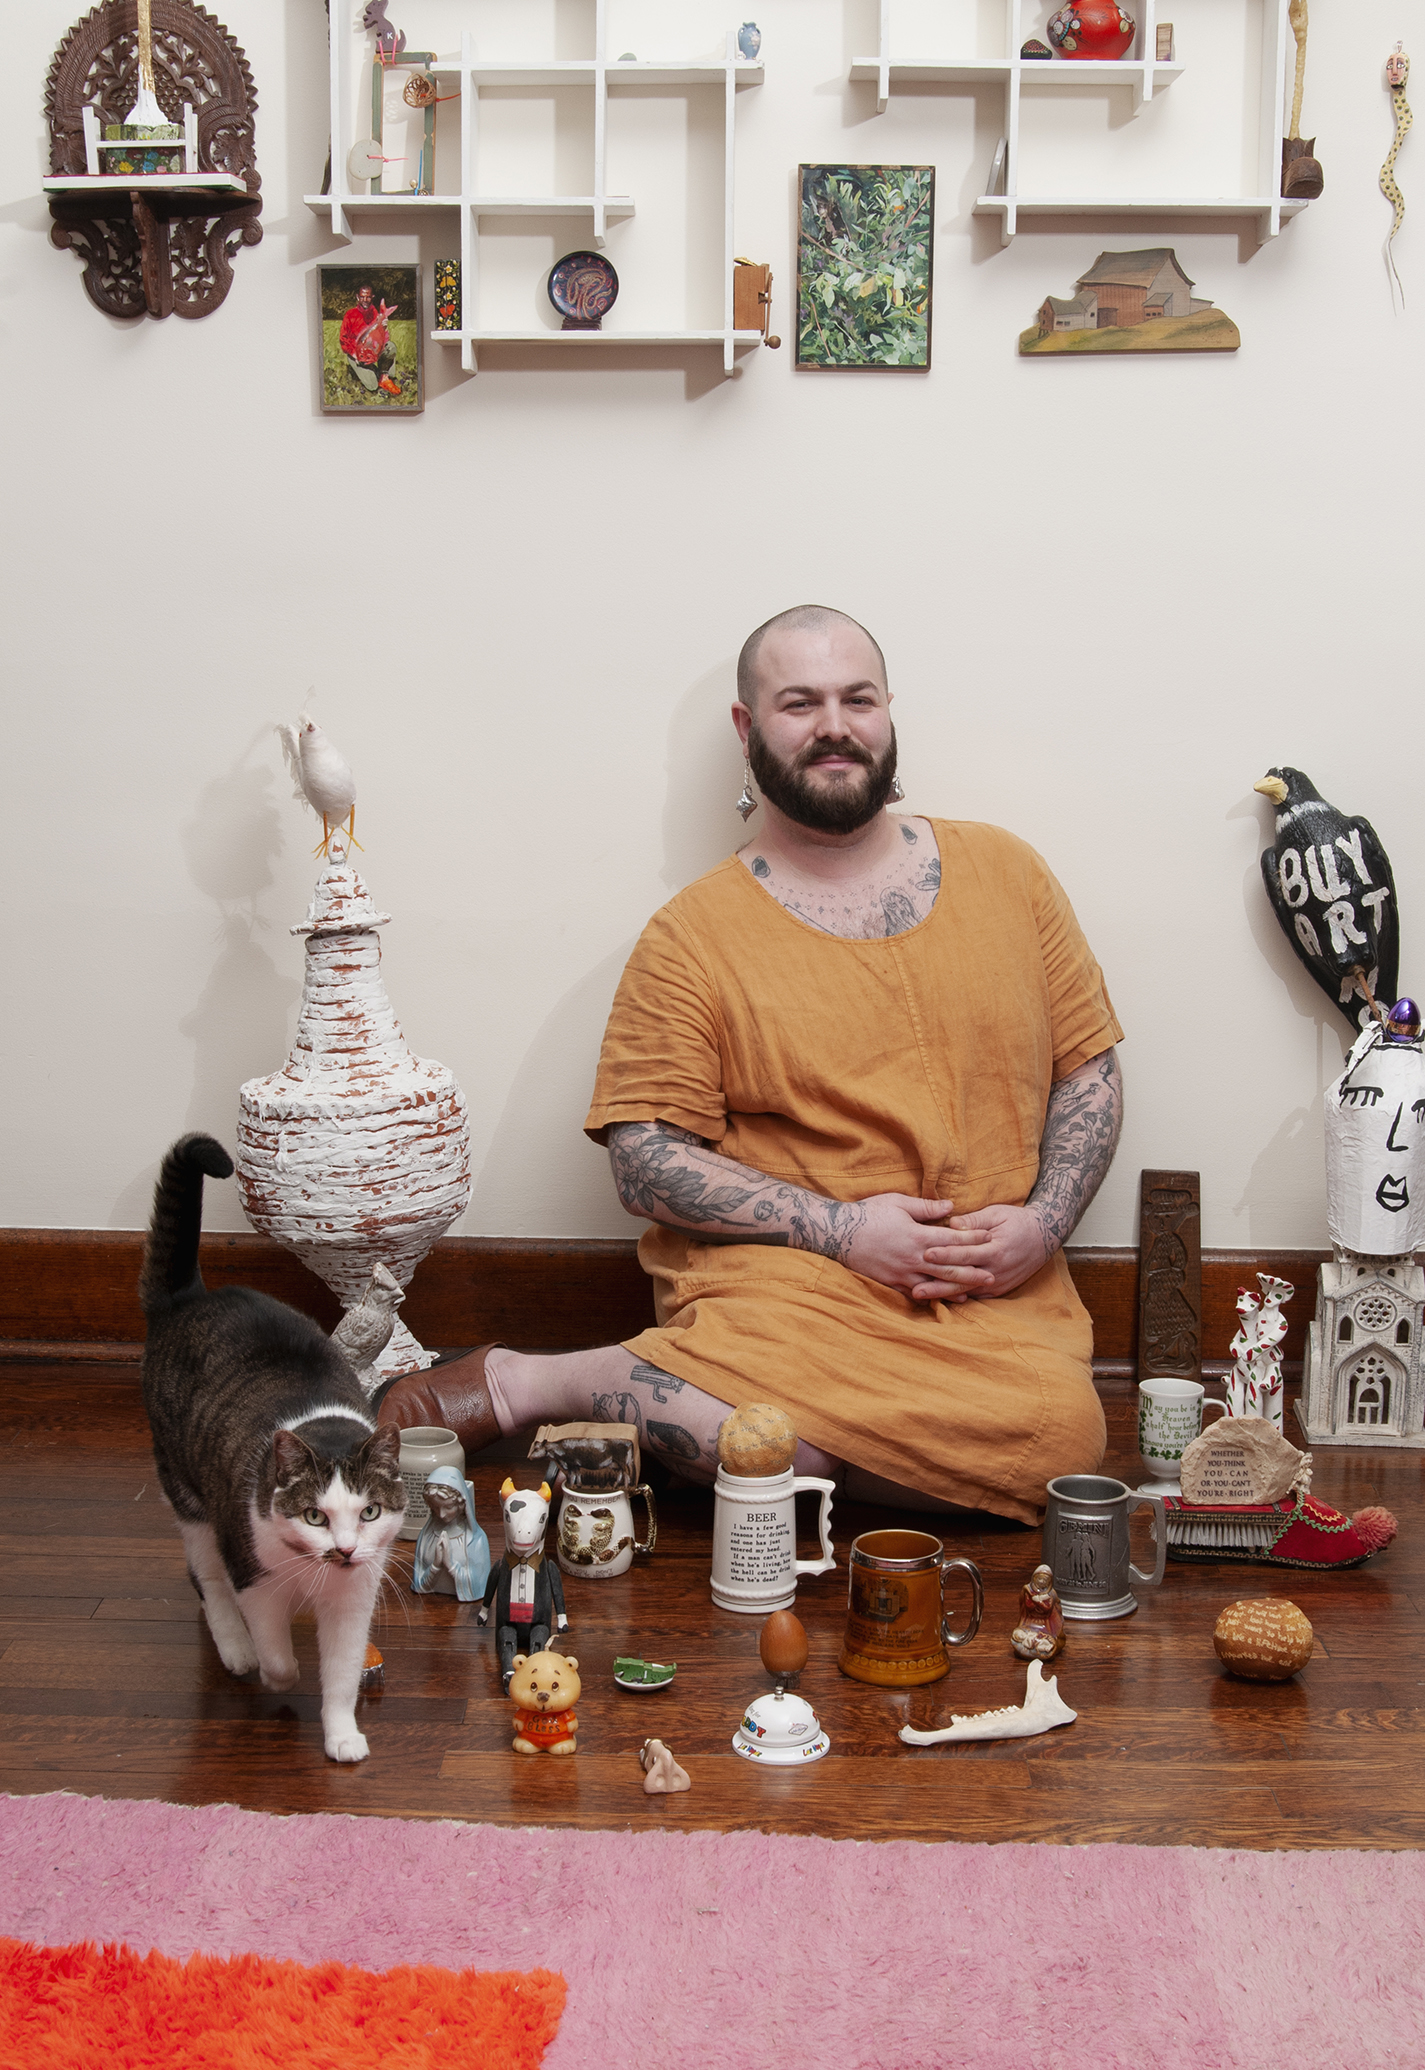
(1402, 1023)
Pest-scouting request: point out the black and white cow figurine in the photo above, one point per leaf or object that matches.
(526, 1588)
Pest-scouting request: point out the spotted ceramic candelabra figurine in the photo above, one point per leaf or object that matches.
(1254, 1386)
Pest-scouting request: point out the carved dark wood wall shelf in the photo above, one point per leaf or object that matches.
(154, 249)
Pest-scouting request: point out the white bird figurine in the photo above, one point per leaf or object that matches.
(320, 775)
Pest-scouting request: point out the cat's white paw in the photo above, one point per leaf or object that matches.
(281, 1675)
(345, 1743)
(232, 1639)
(239, 1656)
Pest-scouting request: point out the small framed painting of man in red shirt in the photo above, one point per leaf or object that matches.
(372, 356)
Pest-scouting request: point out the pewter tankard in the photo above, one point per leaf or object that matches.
(1086, 1544)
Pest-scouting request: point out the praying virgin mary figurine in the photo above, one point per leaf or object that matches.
(452, 1552)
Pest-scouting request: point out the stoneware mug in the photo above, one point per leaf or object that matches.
(424, 1447)
(754, 1556)
(1170, 1414)
(896, 1628)
(1086, 1544)
(596, 1531)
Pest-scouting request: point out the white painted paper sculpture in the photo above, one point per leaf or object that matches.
(355, 1153)
(1043, 1708)
(1254, 1385)
(1375, 1148)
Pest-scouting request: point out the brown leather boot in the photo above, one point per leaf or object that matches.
(450, 1397)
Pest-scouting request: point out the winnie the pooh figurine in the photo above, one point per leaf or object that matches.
(544, 1688)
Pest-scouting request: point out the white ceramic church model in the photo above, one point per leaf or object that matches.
(1363, 1382)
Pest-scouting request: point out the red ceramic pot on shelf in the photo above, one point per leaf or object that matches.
(1092, 29)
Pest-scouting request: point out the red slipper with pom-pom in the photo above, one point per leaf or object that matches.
(1298, 1531)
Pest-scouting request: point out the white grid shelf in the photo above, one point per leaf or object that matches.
(1142, 75)
(602, 76)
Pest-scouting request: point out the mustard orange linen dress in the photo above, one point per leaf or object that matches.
(921, 1064)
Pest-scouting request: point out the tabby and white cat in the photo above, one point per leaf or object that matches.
(287, 1492)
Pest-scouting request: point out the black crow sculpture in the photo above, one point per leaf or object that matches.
(1331, 887)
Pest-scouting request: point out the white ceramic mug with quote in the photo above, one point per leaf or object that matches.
(1170, 1414)
(754, 1556)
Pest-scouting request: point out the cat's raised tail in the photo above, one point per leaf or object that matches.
(170, 1258)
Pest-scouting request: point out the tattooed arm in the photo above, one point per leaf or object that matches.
(1081, 1128)
(673, 1177)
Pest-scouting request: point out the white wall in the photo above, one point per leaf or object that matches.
(1112, 593)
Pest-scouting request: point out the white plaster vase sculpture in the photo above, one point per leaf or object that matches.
(356, 1153)
(1042, 1709)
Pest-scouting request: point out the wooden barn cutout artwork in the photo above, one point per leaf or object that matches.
(155, 244)
(1138, 301)
(1333, 892)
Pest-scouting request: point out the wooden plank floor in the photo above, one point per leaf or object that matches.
(110, 1686)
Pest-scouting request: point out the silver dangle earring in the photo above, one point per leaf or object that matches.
(746, 804)
(897, 790)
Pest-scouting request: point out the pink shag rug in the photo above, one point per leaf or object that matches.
(746, 1951)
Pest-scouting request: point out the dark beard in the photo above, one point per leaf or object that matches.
(844, 809)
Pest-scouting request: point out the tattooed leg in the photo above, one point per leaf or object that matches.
(675, 1421)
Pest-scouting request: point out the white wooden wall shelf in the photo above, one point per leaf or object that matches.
(465, 75)
(1142, 76)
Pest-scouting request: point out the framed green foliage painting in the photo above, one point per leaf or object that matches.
(864, 249)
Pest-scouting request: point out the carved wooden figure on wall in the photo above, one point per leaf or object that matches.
(155, 248)
(1170, 1277)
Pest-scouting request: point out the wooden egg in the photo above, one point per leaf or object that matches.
(757, 1440)
(783, 1645)
(1264, 1640)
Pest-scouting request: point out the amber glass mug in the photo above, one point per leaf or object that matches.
(897, 1632)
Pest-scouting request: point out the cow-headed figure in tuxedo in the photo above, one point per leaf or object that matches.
(527, 1591)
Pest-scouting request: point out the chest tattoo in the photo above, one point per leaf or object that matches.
(891, 903)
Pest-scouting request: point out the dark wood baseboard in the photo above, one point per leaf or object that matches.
(70, 1293)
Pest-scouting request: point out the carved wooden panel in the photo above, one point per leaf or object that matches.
(156, 252)
(1170, 1277)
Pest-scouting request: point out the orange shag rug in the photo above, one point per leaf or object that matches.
(73, 2008)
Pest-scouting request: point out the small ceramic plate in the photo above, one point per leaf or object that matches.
(636, 1682)
(583, 287)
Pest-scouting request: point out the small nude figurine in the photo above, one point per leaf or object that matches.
(1039, 1634)
(662, 1777)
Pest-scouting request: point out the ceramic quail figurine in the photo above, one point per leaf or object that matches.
(1333, 892)
(365, 1330)
(1039, 1634)
(452, 1553)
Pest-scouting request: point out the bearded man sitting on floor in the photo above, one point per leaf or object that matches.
(860, 1079)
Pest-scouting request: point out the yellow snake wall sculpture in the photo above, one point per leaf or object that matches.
(1397, 71)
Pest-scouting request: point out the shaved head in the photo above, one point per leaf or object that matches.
(801, 618)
